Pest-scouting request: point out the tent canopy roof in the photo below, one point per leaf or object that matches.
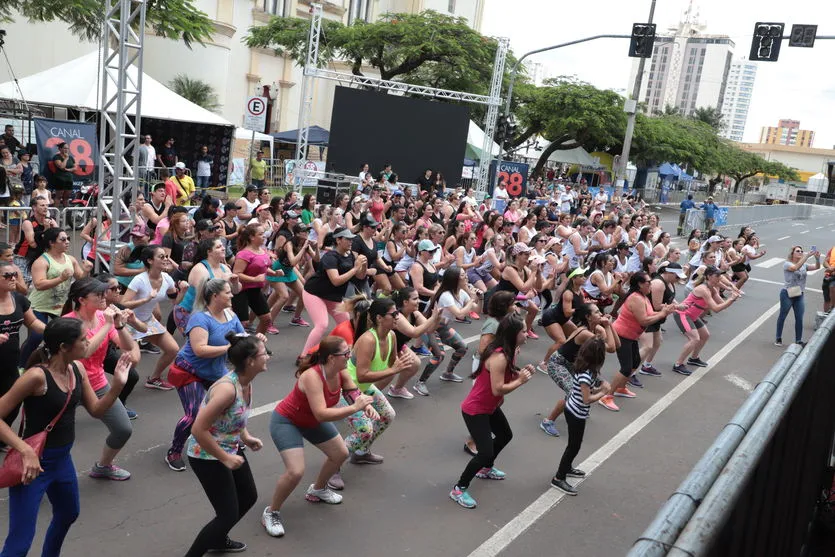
(316, 136)
(75, 84)
(475, 142)
(578, 156)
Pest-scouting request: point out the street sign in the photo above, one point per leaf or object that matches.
(255, 114)
(803, 35)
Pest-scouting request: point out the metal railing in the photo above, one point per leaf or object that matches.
(736, 217)
(720, 198)
(8, 215)
(755, 490)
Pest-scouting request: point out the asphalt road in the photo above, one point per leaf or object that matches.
(636, 456)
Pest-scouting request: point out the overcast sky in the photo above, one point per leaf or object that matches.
(797, 86)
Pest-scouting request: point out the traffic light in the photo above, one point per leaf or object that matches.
(767, 40)
(803, 35)
(501, 129)
(643, 38)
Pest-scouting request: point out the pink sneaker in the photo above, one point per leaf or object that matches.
(273, 330)
(299, 322)
(532, 334)
(474, 316)
(158, 384)
(608, 402)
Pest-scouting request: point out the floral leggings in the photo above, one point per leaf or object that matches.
(451, 338)
(364, 430)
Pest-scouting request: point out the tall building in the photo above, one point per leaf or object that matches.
(234, 70)
(688, 69)
(787, 132)
(737, 101)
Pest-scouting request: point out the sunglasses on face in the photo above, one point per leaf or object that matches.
(9, 276)
(345, 354)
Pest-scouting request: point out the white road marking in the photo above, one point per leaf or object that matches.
(551, 497)
(743, 384)
(768, 263)
(783, 238)
(804, 231)
(781, 284)
(798, 224)
(818, 228)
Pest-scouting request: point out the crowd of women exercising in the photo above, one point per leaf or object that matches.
(397, 271)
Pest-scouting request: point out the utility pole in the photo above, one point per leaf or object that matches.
(631, 107)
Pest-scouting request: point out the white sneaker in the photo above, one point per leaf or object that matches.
(322, 495)
(272, 522)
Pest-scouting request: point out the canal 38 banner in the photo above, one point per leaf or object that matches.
(82, 141)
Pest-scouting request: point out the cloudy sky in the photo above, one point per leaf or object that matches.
(797, 86)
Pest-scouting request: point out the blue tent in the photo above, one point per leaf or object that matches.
(315, 136)
(669, 169)
(685, 177)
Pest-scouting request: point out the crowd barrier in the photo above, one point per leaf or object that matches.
(736, 217)
(720, 198)
(755, 491)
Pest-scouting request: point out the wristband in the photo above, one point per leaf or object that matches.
(119, 328)
(351, 395)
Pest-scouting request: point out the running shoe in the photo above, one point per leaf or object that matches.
(801, 343)
(624, 392)
(465, 320)
(420, 388)
(111, 472)
(474, 316)
(299, 322)
(175, 461)
(649, 369)
(272, 522)
(336, 482)
(635, 381)
(549, 427)
(608, 402)
(681, 369)
(563, 486)
(325, 495)
(289, 309)
(778, 342)
(367, 458)
(132, 415)
(461, 497)
(421, 351)
(148, 348)
(158, 384)
(576, 473)
(490, 474)
(532, 335)
(272, 330)
(451, 377)
(402, 392)
(470, 451)
(230, 546)
(696, 362)
(542, 367)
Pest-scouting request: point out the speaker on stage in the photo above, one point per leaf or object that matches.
(327, 191)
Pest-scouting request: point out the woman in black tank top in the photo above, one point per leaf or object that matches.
(518, 278)
(411, 324)
(590, 322)
(423, 274)
(43, 390)
(663, 290)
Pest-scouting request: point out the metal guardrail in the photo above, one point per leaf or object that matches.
(754, 491)
(749, 215)
(721, 198)
(11, 233)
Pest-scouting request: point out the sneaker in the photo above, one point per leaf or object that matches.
(801, 343)
(778, 342)
(272, 330)
(148, 348)
(451, 377)
(421, 351)
(490, 474)
(289, 309)
(549, 427)
(576, 473)
(563, 486)
(461, 497)
(635, 381)
(474, 316)
(111, 472)
(624, 392)
(420, 388)
(230, 546)
(608, 402)
(402, 392)
(322, 496)
(465, 320)
(697, 362)
(682, 370)
(649, 369)
(299, 322)
(367, 458)
(132, 415)
(532, 335)
(272, 522)
(250, 329)
(542, 367)
(469, 451)
(158, 384)
(175, 461)
(336, 482)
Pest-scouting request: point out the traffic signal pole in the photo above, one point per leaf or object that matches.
(631, 107)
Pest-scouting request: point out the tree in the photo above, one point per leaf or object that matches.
(197, 91)
(711, 116)
(743, 165)
(173, 19)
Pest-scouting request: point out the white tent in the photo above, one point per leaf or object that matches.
(475, 138)
(818, 182)
(75, 84)
(578, 155)
(247, 135)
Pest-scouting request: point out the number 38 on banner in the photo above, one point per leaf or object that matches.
(80, 150)
(514, 181)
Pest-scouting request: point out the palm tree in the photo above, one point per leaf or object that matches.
(711, 116)
(197, 91)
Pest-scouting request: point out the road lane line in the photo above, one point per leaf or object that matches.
(499, 541)
(767, 264)
(738, 381)
(783, 238)
(818, 228)
(804, 231)
(819, 291)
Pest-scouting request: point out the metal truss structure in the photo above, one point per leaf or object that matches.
(123, 32)
(313, 71)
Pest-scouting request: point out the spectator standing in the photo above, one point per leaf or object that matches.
(793, 292)
(27, 177)
(10, 140)
(709, 208)
(147, 158)
(63, 165)
(257, 170)
(425, 182)
(167, 156)
(184, 183)
(684, 206)
(204, 169)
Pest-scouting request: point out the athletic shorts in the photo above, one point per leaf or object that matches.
(250, 299)
(475, 274)
(629, 356)
(287, 435)
(554, 316)
(655, 327)
(685, 324)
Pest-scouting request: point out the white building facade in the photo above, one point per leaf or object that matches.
(234, 70)
(737, 101)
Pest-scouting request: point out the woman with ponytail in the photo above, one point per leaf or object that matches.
(308, 412)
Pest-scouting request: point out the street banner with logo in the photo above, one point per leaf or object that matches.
(83, 143)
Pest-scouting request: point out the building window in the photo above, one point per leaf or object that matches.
(275, 7)
(359, 10)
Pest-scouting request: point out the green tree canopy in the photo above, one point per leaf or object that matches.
(197, 91)
(173, 19)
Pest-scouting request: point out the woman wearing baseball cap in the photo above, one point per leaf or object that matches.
(662, 292)
(518, 278)
(423, 274)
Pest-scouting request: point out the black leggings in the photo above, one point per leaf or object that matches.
(483, 428)
(547, 297)
(576, 429)
(231, 492)
(110, 362)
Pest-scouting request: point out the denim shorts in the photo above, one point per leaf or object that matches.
(287, 435)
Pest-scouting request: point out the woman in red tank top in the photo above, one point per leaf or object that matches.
(307, 413)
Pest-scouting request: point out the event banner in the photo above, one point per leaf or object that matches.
(515, 176)
(82, 141)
